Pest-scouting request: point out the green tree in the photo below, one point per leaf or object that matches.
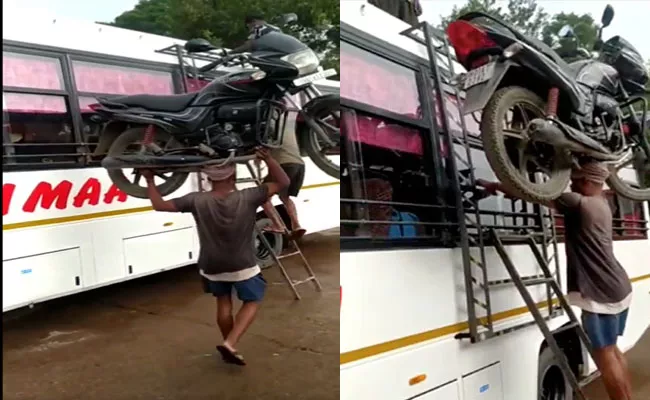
(584, 27)
(526, 15)
(222, 21)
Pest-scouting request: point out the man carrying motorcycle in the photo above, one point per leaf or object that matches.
(596, 281)
(225, 220)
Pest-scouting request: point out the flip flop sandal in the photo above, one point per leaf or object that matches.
(271, 230)
(297, 234)
(231, 357)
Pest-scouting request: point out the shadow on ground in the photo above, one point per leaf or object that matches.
(154, 338)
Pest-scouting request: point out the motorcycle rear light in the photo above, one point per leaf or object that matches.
(467, 38)
(94, 106)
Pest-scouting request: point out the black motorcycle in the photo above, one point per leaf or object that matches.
(226, 120)
(593, 109)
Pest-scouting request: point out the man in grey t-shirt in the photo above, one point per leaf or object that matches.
(596, 281)
(225, 220)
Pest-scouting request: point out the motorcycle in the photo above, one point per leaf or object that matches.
(542, 116)
(227, 119)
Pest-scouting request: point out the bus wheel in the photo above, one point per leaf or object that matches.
(552, 384)
(262, 254)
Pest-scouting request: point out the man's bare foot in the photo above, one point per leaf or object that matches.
(274, 229)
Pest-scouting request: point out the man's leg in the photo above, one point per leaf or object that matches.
(603, 330)
(274, 217)
(292, 211)
(251, 292)
(222, 291)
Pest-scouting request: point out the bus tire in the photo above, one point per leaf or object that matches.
(551, 382)
(276, 240)
(119, 147)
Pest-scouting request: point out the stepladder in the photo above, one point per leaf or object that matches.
(277, 253)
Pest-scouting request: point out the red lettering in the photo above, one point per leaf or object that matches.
(112, 193)
(46, 196)
(7, 194)
(90, 191)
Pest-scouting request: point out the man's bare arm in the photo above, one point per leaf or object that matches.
(278, 179)
(158, 203)
(493, 187)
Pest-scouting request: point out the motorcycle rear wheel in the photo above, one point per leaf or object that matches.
(624, 189)
(129, 138)
(497, 152)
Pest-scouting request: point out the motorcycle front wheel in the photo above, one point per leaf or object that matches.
(129, 142)
(532, 171)
(327, 117)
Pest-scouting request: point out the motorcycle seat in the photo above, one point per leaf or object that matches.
(173, 103)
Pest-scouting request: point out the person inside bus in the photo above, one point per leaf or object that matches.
(288, 156)
(225, 220)
(596, 281)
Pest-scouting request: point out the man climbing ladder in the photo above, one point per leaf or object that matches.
(596, 281)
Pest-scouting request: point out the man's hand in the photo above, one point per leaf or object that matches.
(490, 187)
(262, 154)
(147, 174)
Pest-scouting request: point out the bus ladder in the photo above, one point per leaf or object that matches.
(463, 182)
(292, 251)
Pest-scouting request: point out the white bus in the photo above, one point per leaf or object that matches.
(66, 228)
(403, 298)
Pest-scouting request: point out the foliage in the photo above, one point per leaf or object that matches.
(524, 14)
(222, 21)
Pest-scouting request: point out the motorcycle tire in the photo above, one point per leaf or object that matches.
(493, 139)
(311, 144)
(119, 146)
(623, 189)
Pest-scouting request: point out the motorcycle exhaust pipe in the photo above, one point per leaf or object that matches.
(545, 131)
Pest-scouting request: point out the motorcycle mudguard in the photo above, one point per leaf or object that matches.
(477, 97)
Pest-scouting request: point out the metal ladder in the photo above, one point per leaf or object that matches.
(293, 250)
(472, 233)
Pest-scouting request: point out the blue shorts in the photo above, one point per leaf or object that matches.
(250, 290)
(604, 329)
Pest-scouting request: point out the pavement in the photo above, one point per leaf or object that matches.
(638, 359)
(154, 338)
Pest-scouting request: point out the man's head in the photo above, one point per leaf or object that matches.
(221, 177)
(589, 179)
(253, 20)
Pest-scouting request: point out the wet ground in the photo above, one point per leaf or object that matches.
(154, 338)
(639, 363)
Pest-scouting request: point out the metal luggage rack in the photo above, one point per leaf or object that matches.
(187, 62)
(471, 232)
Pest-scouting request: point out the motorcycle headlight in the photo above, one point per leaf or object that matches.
(306, 61)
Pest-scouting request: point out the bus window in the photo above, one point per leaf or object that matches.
(372, 80)
(387, 183)
(32, 72)
(37, 128)
(111, 79)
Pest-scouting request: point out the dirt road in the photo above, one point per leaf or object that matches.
(154, 338)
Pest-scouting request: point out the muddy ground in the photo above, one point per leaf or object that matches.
(154, 338)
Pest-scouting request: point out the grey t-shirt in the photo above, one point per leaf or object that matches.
(592, 268)
(225, 227)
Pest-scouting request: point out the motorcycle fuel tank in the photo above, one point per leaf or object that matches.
(596, 75)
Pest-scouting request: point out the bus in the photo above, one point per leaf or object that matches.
(404, 313)
(66, 227)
